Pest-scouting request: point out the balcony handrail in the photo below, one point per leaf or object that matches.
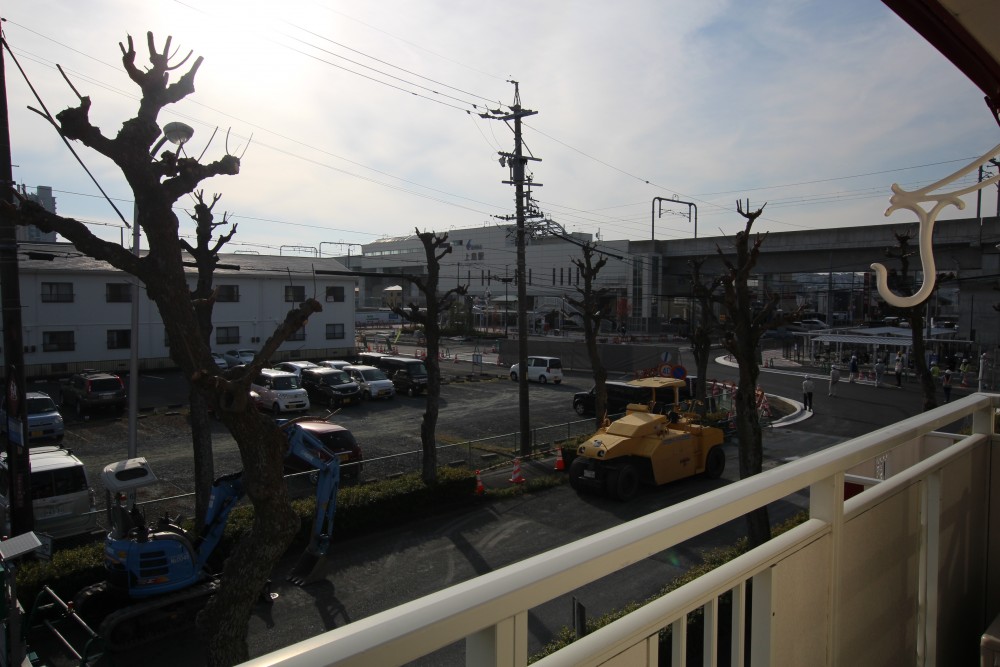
(497, 603)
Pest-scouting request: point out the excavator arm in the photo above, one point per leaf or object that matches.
(307, 447)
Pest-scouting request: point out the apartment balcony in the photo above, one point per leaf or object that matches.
(904, 571)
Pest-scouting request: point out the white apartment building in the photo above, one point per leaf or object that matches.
(76, 311)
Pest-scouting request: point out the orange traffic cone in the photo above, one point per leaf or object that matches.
(480, 489)
(560, 464)
(516, 477)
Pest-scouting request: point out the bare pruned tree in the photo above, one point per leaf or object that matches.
(704, 324)
(435, 247)
(205, 254)
(742, 338)
(590, 307)
(157, 183)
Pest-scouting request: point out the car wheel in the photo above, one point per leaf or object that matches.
(410, 392)
(557, 381)
(542, 379)
(367, 395)
(275, 408)
(513, 376)
(626, 483)
(715, 462)
(576, 469)
(79, 409)
(580, 410)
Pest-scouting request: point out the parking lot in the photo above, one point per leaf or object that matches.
(387, 430)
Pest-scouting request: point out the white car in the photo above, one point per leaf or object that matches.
(339, 364)
(220, 360)
(279, 391)
(373, 382)
(540, 369)
(239, 357)
(295, 367)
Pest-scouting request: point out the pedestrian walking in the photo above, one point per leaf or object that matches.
(898, 370)
(946, 385)
(879, 372)
(853, 369)
(807, 393)
(834, 379)
(935, 371)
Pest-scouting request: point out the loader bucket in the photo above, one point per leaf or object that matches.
(309, 568)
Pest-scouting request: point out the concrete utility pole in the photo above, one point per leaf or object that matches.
(516, 161)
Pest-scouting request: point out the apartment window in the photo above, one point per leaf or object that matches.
(553, 275)
(57, 292)
(295, 293)
(334, 331)
(227, 335)
(58, 341)
(227, 293)
(334, 293)
(119, 339)
(118, 292)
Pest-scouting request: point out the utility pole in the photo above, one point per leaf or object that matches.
(19, 466)
(517, 161)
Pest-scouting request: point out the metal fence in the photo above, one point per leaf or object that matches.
(481, 454)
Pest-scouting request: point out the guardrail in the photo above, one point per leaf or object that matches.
(902, 572)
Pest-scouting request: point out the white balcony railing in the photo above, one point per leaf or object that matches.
(903, 573)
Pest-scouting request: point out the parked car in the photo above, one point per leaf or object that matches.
(295, 367)
(280, 391)
(814, 325)
(63, 502)
(373, 382)
(620, 394)
(239, 357)
(44, 421)
(330, 386)
(540, 369)
(220, 360)
(408, 374)
(335, 363)
(338, 440)
(90, 389)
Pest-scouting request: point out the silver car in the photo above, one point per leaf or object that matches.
(373, 382)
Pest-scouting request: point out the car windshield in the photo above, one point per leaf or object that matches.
(418, 369)
(373, 374)
(285, 382)
(336, 377)
(40, 405)
(59, 482)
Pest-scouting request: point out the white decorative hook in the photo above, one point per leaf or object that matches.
(911, 201)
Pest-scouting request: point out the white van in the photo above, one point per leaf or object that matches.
(279, 391)
(373, 382)
(540, 369)
(64, 504)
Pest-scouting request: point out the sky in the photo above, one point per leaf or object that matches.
(361, 120)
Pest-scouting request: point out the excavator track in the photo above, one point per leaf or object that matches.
(144, 621)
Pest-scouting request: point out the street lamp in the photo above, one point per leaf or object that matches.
(177, 134)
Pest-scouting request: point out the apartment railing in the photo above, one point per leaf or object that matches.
(904, 572)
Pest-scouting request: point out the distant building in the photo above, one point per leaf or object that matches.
(76, 310)
(31, 234)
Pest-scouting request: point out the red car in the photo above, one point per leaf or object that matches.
(338, 440)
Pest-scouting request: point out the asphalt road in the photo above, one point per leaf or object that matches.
(380, 571)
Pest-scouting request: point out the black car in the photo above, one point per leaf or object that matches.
(620, 395)
(94, 389)
(330, 386)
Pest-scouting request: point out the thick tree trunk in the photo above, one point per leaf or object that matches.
(927, 386)
(751, 446)
(223, 621)
(600, 375)
(428, 427)
(204, 461)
